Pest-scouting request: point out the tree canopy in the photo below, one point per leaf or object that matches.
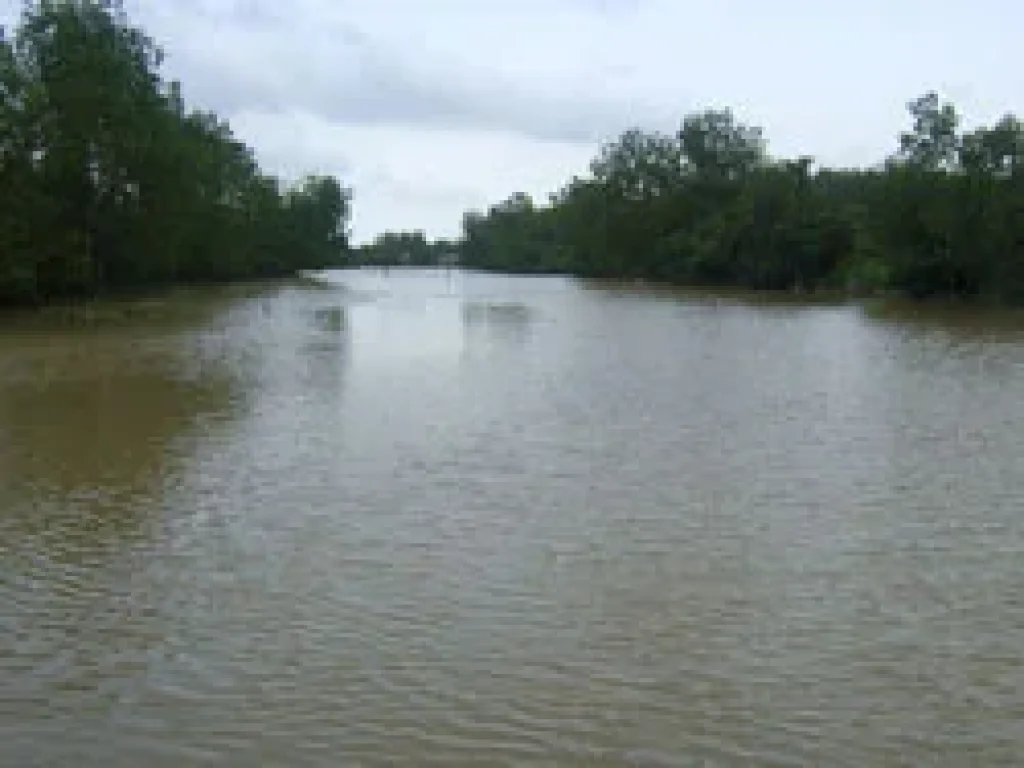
(405, 249)
(110, 182)
(708, 205)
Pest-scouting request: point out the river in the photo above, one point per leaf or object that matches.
(456, 519)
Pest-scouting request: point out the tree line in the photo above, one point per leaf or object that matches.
(405, 249)
(708, 205)
(109, 182)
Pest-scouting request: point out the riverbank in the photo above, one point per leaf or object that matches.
(815, 296)
(147, 306)
(825, 295)
(178, 303)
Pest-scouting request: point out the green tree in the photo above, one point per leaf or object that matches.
(111, 183)
(716, 146)
(996, 150)
(709, 205)
(932, 142)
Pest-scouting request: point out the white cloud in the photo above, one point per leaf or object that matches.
(424, 177)
(429, 108)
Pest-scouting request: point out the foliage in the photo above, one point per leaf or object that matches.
(409, 249)
(709, 205)
(110, 183)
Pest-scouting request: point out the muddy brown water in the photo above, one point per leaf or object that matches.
(456, 519)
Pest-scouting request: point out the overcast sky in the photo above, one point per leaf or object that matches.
(430, 107)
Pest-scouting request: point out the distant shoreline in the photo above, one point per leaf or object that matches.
(820, 294)
(125, 306)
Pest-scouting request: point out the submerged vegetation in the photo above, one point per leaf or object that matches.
(110, 183)
(708, 205)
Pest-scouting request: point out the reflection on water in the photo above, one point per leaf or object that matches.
(955, 321)
(95, 423)
(421, 516)
(502, 321)
(330, 319)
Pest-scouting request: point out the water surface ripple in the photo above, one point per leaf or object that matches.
(455, 519)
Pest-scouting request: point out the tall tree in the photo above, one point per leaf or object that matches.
(932, 142)
(114, 184)
(709, 205)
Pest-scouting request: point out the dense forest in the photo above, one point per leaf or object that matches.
(110, 183)
(708, 205)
